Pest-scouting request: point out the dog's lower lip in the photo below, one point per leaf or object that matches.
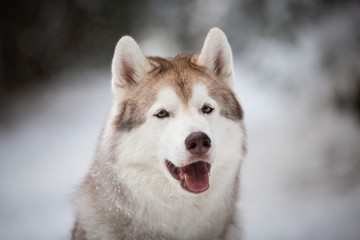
(179, 173)
(174, 171)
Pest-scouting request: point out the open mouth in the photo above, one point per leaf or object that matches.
(193, 177)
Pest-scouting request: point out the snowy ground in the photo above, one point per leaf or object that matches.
(300, 153)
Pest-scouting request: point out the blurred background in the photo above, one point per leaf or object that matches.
(297, 67)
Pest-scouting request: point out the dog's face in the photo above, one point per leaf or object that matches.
(178, 117)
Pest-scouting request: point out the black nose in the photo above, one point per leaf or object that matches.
(198, 143)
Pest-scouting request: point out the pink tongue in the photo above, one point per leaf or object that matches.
(196, 176)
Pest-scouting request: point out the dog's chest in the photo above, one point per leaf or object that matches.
(181, 218)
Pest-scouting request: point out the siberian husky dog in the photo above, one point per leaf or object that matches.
(168, 160)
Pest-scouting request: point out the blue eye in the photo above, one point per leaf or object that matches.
(207, 109)
(161, 114)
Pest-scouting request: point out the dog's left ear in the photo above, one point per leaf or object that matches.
(216, 55)
(129, 66)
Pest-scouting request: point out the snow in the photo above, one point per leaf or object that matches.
(301, 149)
(46, 152)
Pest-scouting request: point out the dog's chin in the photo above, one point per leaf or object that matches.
(193, 177)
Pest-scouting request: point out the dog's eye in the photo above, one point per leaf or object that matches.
(207, 109)
(161, 114)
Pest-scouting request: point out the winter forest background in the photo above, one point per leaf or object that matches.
(297, 66)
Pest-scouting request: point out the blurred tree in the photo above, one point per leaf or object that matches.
(38, 37)
(33, 33)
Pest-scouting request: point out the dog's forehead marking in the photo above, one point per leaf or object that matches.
(169, 97)
(179, 73)
(183, 76)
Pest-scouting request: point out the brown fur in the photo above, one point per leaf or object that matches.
(108, 205)
(180, 73)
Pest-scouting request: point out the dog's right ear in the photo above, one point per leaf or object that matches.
(129, 65)
(216, 55)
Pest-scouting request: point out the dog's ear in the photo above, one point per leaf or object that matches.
(216, 55)
(129, 65)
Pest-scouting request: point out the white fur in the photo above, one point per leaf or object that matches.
(157, 203)
(145, 172)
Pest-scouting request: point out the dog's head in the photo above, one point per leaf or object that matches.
(178, 117)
